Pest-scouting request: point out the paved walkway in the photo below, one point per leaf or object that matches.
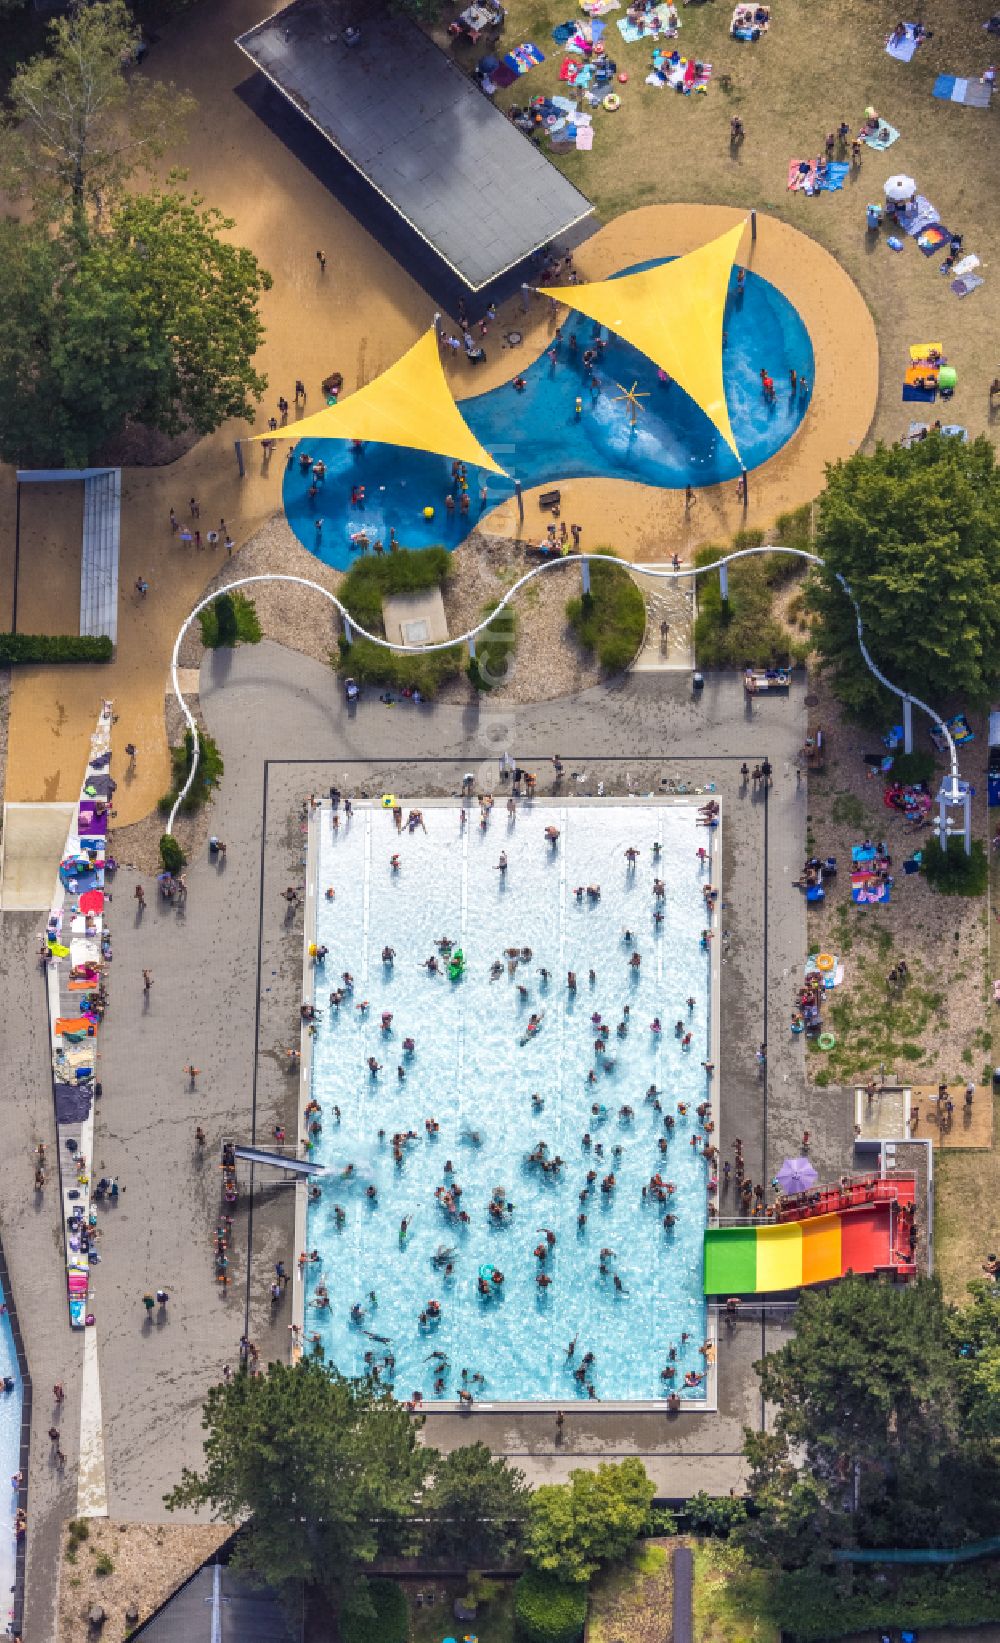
(675, 604)
(268, 703)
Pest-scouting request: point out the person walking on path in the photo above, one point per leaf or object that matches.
(193, 1073)
(199, 1135)
(147, 983)
(195, 508)
(149, 1303)
(321, 259)
(140, 896)
(57, 1392)
(130, 749)
(175, 523)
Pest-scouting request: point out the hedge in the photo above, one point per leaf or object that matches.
(207, 778)
(55, 647)
(388, 1623)
(812, 1606)
(546, 1611)
(229, 620)
(611, 618)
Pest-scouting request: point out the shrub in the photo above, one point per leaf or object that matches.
(231, 619)
(384, 1621)
(953, 872)
(660, 1520)
(103, 1564)
(375, 575)
(60, 647)
(495, 649)
(714, 1514)
(208, 777)
(741, 629)
(913, 767)
(811, 1605)
(171, 854)
(611, 619)
(546, 1611)
(371, 665)
(79, 1528)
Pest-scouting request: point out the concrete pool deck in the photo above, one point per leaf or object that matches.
(269, 704)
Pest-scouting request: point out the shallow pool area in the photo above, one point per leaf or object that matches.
(10, 1455)
(485, 1120)
(540, 436)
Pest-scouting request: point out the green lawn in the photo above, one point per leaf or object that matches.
(631, 1604)
(432, 1623)
(730, 1597)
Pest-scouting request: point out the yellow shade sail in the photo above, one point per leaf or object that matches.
(675, 314)
(410, 404)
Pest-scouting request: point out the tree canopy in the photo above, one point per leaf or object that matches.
(316, 1462)
(916, 534)
(476, 1506)
(575, 1527)
(883, 1427)
(80, 122)
(152, 318)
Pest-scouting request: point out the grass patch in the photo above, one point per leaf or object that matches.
(632, 1599)
(954, 873)
(731, 1598)
(370, 581)
(218, 627)
(872, 1024)
(495, 650)
(494, 1621)
(743, 628)
(847, 811)
(966, 1220)
(610, 620)
(210, 768)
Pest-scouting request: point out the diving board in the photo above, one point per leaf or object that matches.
(278, 1160)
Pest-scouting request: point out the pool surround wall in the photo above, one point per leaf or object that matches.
(713, 841)
(16, 1596)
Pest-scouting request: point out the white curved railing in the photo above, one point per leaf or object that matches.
(464, 638)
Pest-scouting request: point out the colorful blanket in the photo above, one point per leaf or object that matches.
(933, 239)
(662, 23)
(882, 137)
(921, 215)
(523, 58)
(951, 88)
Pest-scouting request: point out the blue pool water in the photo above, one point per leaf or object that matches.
(539, 439)
(10, 1458)
(474, 1070)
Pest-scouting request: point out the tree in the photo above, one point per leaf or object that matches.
(872, 1442)
(575, 1527)
(316, 1463)
(476, 1505)
(916, 534)
(153, 318)
(82, 123)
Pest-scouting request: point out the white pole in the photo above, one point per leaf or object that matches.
(907, 725)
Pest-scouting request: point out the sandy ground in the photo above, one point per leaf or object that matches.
(358, 317)
(150, 1561)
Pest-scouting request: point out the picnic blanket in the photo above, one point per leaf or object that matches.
(585, 138)
(882, 137)
(867, 889)
(598, 8)
(75, 1024)
(933, 239)
(904, 50)
(914, 395)
(523, 58)
(966, 266)
(966, 285)
(683, 74)
(800, 174)
(924, 350)
(919, 216)
(831, 177)
(951, 88)
(662, 22)
(745, 24)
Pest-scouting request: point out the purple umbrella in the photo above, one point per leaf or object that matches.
(796, 1175)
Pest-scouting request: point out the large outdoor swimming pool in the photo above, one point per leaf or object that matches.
(497, 1091)
(538, 437)
(10, 1457)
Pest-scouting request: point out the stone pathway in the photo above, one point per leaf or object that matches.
(674, 603)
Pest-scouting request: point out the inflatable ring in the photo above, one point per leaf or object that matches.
(612, 101)
(825, 962)
(826, 1041)
(798, 1027)
(486, 1272)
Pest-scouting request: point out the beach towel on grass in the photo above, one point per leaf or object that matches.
(832, 176)
(585, 138)
(932, 239)
(800, 173)
(952, 88)
(914, 395)
(597, 8)
(924, 350)
(523, 58)
(966, 285)
(905, 49)
(882, 138)
(658, 24)
(966, 266)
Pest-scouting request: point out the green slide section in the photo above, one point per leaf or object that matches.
(730, 1261)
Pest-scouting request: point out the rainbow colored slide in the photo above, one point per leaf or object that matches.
(789, 1255)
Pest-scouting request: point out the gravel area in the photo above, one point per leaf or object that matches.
(150, 1561)
(944, 937)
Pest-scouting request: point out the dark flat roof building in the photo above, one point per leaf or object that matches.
(419, 131)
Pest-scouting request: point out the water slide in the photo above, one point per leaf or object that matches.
(757, 1260)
